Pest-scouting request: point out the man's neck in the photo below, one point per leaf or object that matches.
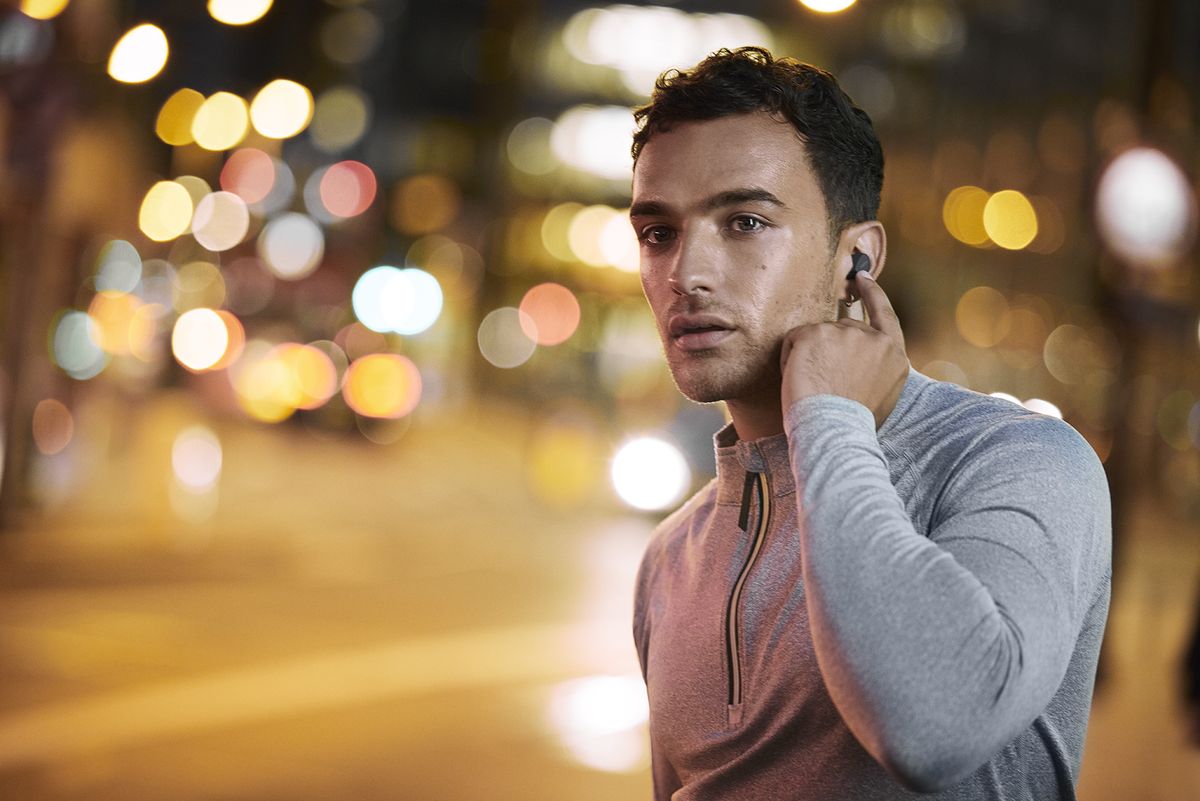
(756, 418)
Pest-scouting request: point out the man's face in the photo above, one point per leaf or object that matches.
(735, 250)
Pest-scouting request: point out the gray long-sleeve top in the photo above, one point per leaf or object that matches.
(851, 614)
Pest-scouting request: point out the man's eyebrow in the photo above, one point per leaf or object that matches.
(648, 208)
(730, 197)
(733, 197)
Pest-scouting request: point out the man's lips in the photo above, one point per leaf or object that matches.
(692, 332)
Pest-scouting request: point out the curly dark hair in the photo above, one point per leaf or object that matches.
(838, 136)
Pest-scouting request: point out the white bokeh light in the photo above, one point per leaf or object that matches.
(650, 473)
(600, 720)
(291, 245)
(196, 458)
(503, 337)
(595, 139)
(405, 301)
(1145, 209)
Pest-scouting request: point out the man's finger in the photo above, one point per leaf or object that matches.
(879, 308)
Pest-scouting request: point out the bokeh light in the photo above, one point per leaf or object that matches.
(249, 173)
(291, 245)
(550, 314)
(1009, 219)
(347, 188)
(424, 203)
(1042, 406)
(404, 301)
(53, 426)
(340, 118)
(199, 339)
(75, 345)
(601, 719)
(827, 6)
(281, 109)
(265, 385)
(221, 121)
(174, 122)
(118, 267)
(139, 55)
(350, 36)
(236, 333)
(238, 12)
(196, 458)
(1145, 208)
(595, 140)
(43, 9)
(650, 473)
(962, 213)
(528, 146)
(113, 314)
(221, 221)
(166, 211)
(382, 385)
(198, 284)
(314, 376)
(502, 337)
(982, 316)
(640, 42)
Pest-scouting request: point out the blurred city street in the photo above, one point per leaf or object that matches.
(364, 622)
(368, 623)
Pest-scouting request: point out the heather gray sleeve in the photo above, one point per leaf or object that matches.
(938, 650)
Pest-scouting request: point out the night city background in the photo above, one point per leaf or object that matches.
(334, 422)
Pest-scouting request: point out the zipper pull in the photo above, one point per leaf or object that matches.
(747, 495)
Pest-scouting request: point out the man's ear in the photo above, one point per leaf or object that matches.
(867, 238)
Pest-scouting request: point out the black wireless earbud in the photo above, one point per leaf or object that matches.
(861, 261)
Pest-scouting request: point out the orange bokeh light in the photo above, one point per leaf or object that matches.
(237, 340)
(382, 385)
(551, 314)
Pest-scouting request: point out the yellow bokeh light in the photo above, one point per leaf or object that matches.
(314, 376)
(166, 211)
(983, 316)
(827, 6)
(199, 340)
(423, 204)
(1009, 219)
(281, 109)
(555, 229)
(264, 384)
(174, 123)
(586, 232)
(221, 121)
(382, 385)
(962, 214)
(238, 12)
(43, 9)
(139, 55)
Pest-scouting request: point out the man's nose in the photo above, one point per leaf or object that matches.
(695, 268)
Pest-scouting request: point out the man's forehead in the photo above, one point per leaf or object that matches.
(694, 160)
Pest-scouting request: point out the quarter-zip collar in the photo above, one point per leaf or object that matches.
(736, 458)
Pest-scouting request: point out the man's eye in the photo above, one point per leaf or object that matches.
(656, 235)
(747, 225)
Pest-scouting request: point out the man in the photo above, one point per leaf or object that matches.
(894, 585)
